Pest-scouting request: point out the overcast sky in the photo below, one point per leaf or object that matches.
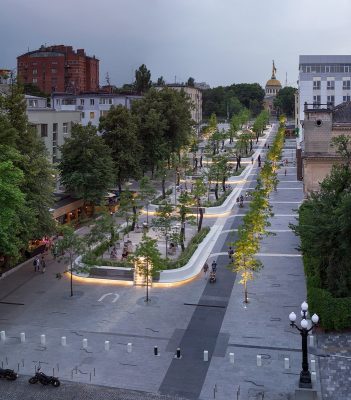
(217, 41)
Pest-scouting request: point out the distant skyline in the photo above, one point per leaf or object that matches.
(220, 42)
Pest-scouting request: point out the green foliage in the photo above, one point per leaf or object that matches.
(285, 100)
(142, 79)
(229, 100)
(86, 166)
(191, 82)
(119, 130)
(162, 223)
(188, 252)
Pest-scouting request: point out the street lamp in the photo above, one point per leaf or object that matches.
(305, 375)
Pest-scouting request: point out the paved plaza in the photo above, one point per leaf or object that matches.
(196, 316)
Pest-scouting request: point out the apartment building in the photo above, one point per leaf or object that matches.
(52, 126)
(91, 106)
(323, 79)
(59, 68)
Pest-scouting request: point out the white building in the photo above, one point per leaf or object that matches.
(323, 79)
(92, 106)
(52, 126)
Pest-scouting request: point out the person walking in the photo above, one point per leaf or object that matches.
(43, 264)
(205, 268)
(36, 263)
(214, 266)
(230, 253)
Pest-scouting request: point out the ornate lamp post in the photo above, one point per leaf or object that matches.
(305, 375)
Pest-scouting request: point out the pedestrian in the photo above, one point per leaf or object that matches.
(230, 253)
(43, 264)
(251, 160)
(265, 145)
(36, 263)
(285, 172)
(205, 268)
(268, 146)
(214, 266)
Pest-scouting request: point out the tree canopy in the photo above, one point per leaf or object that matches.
(142, 79)
(285, 100)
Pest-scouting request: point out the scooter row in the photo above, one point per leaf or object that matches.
(39, 376)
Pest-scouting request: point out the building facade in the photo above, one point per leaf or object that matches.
(321, 125)
(52, 126)
(91, 106)
(324, 79)
(59, 69)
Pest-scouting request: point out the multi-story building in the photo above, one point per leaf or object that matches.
(59, 69)
(321, 125)
(92, 106)
(324, 79)
(195, 95)
(52, 126)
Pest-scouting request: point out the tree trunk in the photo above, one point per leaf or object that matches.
(239, 161)
(237, 164)
(134, 217)
(182, 235)
(223, 183)
(163, 183)
(147, 280)
(178, 177)
(200, 219)
(245, 292)
(251, 145)
(71, 270)
(166, 237)
(119, 184)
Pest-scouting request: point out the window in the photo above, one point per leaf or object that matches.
(65, 127)
(316, 101)
(346, 68)
(330, 100)
(44, 130)
(57, 102)
(68, 102)
(103, 113)
(54, 132)
(346, 98)
(316, 84)
(92, 102)
(53, 70)
(308, 68)
(82, 102)
(346, 84)
(92, 115)
(330, 84)
(327, 68)
(34, 80)
(35, 72)
(105, 101)
(33, 103)
(83, 115)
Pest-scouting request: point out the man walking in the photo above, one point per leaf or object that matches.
(43, 264)
(36, 263)
(214, 266)
(205, 268)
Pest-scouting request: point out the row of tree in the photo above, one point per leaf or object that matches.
(26, 180)
(256, 220)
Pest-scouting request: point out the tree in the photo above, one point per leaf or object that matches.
(285, 100)
(184, 203)
(68, 247)
(146, 193)
(162, 222)
(38, 182)
(149, 258)
(86, 165)
(160, 81)
(191, 82)
(142, 79)
(102, 228)
(119, 132)
(199, 190)
(128, 208)
(235, 125)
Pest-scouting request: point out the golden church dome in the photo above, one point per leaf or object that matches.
(274, 82)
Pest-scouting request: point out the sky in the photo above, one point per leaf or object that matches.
(220, 42)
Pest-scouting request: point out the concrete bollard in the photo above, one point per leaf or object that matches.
(178, 355)
(43, 340)
(259, 360)
(63, 341)
(311, 340)
(23, 337)
(286, 363)
(205, 355)
(313, 365)
(129, 347)
(231, 358)
(3, 336)
(314, 376)
(85, 343)
(107, 345)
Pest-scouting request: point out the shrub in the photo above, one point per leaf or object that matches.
(218, 202)
(189, 251)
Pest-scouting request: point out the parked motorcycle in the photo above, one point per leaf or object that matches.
(44, 379)
(8, 374)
